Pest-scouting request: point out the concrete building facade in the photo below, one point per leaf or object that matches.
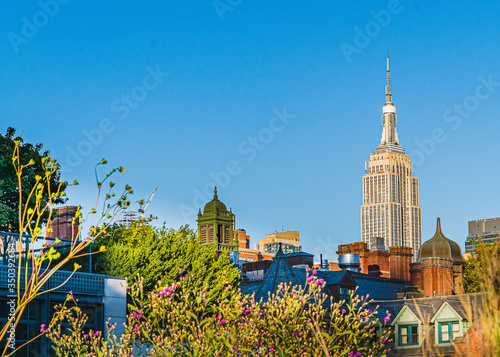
(486, 229)
(390, 208)
(290, 243)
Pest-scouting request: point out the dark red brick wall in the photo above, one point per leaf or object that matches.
(416, 277)
(437, 276)
(378, 264)
(457, 279)
(399, 262)
(62, 224)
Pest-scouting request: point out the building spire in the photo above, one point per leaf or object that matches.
(215, 193)
(388, 94)
(389, 141)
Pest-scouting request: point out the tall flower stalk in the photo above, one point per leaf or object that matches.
(37, 269)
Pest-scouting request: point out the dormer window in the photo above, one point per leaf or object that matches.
(448, 331)
(408, 335)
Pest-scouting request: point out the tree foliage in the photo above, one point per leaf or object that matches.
(9, 193)
(476, 266)
(162, 254)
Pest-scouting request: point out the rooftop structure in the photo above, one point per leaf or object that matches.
(216, 224)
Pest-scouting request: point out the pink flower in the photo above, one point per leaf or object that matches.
(271, 350)
(305, 348)
(42, 328)
(128, 288)
(180, 269)
(387, 318)
(351, 353)
(311, 278)
(163, 293)
(343, 311)
(358, 353)
(307, 268)
(384, 340)
(315, 272)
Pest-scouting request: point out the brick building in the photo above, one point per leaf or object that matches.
(62, 224)
(439, 268)
(394, 264)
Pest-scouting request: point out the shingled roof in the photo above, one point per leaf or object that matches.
(280, 272)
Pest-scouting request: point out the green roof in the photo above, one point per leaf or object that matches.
(440, 247)
(215, 204)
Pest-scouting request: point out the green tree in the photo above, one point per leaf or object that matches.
(9, 194)
(163, 254)
(476, 266)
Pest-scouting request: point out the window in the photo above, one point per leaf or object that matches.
(344, 294)
(448, 331)
(408, 335)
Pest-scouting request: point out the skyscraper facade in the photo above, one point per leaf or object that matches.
(390, 207)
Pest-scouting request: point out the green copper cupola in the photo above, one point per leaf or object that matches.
(216, 224)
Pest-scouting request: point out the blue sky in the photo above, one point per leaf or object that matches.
(281, 102)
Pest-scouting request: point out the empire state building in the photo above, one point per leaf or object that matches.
(390, 207)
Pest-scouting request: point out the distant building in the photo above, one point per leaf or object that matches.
(62, 223)
(486, 229)
(290, 243)
(216, 224)
(244, 252)
(127, 218)
(390, 208)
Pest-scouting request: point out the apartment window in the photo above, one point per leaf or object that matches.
(408, 335)
(448, 331)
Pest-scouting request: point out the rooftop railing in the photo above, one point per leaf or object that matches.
(79, 283)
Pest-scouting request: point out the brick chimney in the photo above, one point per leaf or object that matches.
(399, 262)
